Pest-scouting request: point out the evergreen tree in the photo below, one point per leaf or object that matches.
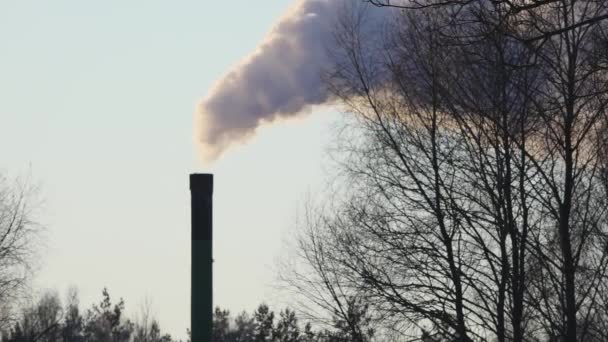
(71, 330)
(287, 329)
(221, 325)
(103, 323)
(308, 335)
(244, 329)
(355, 324)
(264, 323)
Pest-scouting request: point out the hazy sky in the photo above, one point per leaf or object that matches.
(97, 100)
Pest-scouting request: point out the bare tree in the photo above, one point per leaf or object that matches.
(329, 296)
(18, 236)
(524, 12)
(476, 207)
(146, 326)
(38, 320)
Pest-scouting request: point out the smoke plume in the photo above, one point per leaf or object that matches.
(281, 79)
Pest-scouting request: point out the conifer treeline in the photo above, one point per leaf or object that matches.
(264, 326)
(47, 320)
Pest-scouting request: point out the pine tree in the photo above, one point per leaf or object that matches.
(356, 326)
(245, 329)
(73, 325)
(104, 322)
(308, 334)
(221, 325)
(264, 325)
(287, 329)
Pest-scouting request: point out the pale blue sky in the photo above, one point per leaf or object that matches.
(98, 97)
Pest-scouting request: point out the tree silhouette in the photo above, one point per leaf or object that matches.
(473, 198)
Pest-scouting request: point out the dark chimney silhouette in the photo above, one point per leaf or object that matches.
(201, 302)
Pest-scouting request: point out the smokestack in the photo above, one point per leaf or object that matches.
(201, 302)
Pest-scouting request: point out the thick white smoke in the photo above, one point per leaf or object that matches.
(282, 78)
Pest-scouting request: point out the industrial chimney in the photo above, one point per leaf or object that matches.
(201, 302)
